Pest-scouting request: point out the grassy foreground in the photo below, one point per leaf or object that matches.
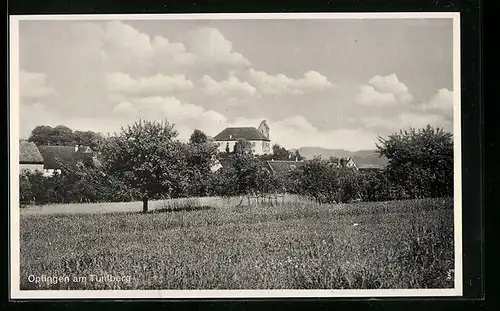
(402, 244)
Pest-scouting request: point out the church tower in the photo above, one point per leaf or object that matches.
(264, 128)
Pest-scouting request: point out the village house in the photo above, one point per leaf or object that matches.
(60, 158)
(259, 138)
(345, 163)
(349, 162)
(30, 158)
(281, 168)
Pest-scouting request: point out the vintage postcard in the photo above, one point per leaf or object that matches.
(235, 156)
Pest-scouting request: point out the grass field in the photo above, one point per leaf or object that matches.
(401, 244)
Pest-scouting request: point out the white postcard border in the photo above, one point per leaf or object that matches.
(16, 293)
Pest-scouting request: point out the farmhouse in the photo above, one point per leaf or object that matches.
(349, 163)
(259, 138)
(345, 163)
(30, 158)
(60, 158)
(282, 168)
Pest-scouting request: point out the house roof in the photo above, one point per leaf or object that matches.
(235, 133)
(29, 153)
(282, 167)
(60, 157)
(369, 166)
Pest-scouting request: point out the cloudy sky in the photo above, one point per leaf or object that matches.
(327, 83)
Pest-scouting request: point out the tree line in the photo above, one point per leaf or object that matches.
(146, 161)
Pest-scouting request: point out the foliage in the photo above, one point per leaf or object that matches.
(242, 146)
(420, 161)
(324, 181)
(375, 186)
(35, 188)
(145, 161)
(145, 157)
(200, 156)
(282, 154)
(83, 185)
(64, 136)
(243, 174)
(198, 137)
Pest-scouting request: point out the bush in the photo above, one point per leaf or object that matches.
(420, 162)
(85, 184)
(323, 181)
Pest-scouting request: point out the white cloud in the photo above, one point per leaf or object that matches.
(369, 96)
(231, 86)
(159, 84)
(185, 116)
(384, 91)
(210, 45)
(441, 102)
(34, 115)
(125, 108)
(126, 44)
(114, 46)
(407, 120)
(120, 35)
(33, 86)
(281, 84)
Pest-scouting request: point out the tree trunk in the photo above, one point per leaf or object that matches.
(145, 204)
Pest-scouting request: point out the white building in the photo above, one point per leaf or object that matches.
(259, 138)
(30, 158)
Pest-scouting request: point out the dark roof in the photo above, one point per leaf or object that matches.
(63, 157)
(369, 166)
(235, 133)
(29, 153)
(283, 167)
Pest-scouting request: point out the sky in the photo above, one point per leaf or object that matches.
(337, 83)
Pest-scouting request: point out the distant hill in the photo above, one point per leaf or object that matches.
(360, 157)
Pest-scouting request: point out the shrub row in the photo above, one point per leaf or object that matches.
(316, 179)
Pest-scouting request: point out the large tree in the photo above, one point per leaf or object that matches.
(280, 153)
(243, 173)
(198, 137)
(42, 135)
(317, 179)
(148, 159)
(200, 154)
(420, 160)
(89, 138)
(62, 135)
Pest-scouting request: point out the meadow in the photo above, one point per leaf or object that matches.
(289, 245)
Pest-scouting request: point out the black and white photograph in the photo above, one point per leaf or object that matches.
(235, 155)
